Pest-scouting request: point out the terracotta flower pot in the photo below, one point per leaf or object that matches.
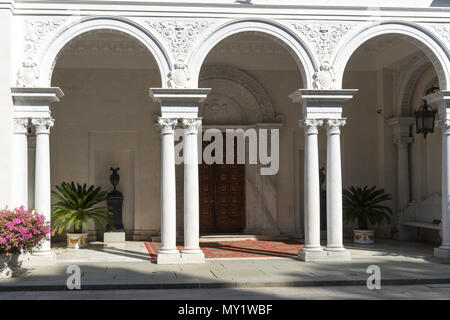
(77, 240)
(364, 236)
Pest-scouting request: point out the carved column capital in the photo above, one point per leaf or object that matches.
(444, 124)
(191, 125)
(43, 125)
(166, 125)
(402, 142)
(20, 125)
(311, 125)
(334, 125)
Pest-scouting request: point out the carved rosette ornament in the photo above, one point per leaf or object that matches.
(166, 125)
(20, 125)
(311, 125)
(334, 125)
(43, 125)
(191, 125)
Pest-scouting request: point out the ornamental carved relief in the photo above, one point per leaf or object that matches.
(311, 125)
(334, 125)
(323, 38)
(35, 32)
(443, 30)
(166, 125)
(180, 35)
(43, 125)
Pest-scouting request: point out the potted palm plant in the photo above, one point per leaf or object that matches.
(363, 206)
(77, 206)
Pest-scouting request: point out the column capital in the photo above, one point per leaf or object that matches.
(402, 142)
(334, 125)
(179, 103)
(20, 125)
(311, 125)
(166, 125)
(191, 124)
(43, 125)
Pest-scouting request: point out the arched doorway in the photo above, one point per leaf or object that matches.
(105, 120)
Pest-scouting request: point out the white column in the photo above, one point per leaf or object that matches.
(334, 191)
(42, 191)
(168, 253)
(20, 166)
(191, 252)
(444, 250)
(312, 250)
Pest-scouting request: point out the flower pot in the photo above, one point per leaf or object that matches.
(364, 236)
(8, 264)
(77, 240)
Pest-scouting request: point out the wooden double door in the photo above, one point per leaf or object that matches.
(222, 197)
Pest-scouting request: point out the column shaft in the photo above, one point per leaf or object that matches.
(334, 186)
(168, 253)
(312, 186)
(42, 190)
(446, 188)
(191, 252)
(20, 165)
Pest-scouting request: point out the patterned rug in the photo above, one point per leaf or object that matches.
(240, 249)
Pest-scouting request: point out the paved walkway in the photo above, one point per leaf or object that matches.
(128, 267)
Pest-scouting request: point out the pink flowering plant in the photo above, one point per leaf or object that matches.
(21, 230)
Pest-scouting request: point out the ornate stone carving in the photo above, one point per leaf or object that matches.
(444, 124)
(181, 36)
(166, 125)
(43, 125)
(443, 30)
(191, 124)
(334, 125)
(28, 73)
(311, 125)
(20, 125)
(179, 77)
(325, 77)
(35, 32)
(323, 37)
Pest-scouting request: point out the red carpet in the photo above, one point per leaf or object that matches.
(240, 249)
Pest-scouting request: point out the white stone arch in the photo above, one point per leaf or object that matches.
(407, 85)
(260, 98)
(286, 37)
(54, 46)
(419, 36)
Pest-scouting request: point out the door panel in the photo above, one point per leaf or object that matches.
(222, 197)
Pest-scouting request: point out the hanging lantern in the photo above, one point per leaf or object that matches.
(425, 116)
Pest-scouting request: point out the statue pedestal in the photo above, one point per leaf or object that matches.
(113, 237)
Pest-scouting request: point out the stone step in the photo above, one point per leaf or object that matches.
(231, 237)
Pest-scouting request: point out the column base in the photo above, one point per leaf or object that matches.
(442, 253)
(168, 257)
(324, 255)
(192, 256)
